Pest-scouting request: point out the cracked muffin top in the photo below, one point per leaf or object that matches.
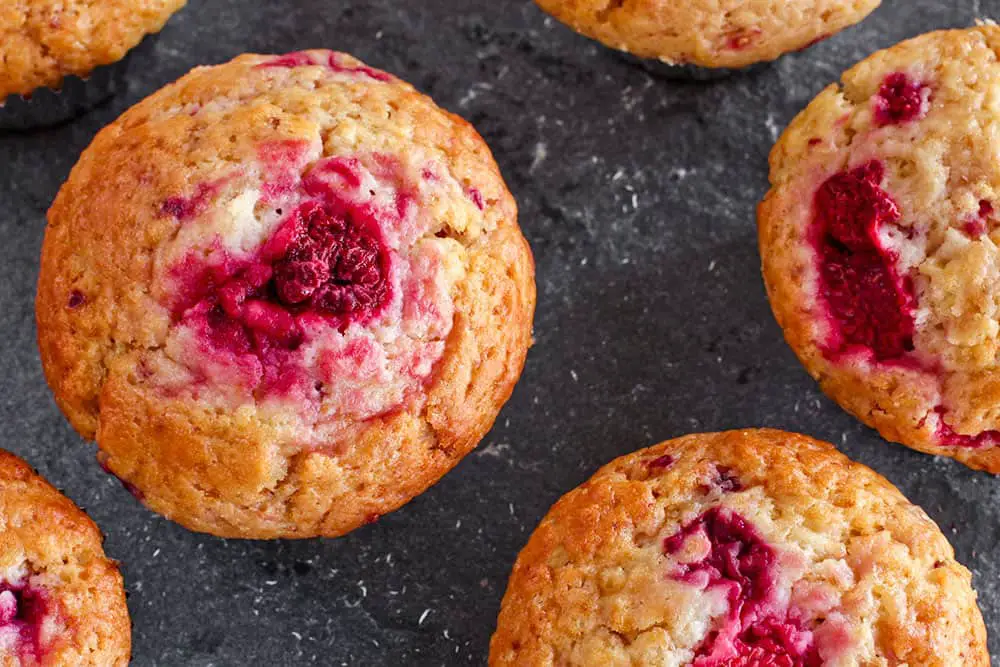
(42, 41)
(284, 294)
(734, 549)
(879, 242)
(62, 601)
(709, 33)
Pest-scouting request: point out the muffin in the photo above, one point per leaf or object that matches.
(285, 295)
(62, 601)
(47, 45)
(753, 547)
(879, 243)
(709, 33)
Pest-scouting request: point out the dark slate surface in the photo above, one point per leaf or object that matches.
(637, 193)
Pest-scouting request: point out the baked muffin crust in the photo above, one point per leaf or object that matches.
(42, 41)
(285, 295)
(754, 547)
(709, 33)
(62, 601)
(879, 243)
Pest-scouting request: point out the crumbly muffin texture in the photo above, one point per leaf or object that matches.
(285, 294)
(62, 601)
(42, 41)
(879, 242)
(709, 33)
(734, 549)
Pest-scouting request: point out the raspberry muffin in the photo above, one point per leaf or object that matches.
(709, 33)
(285, 295)
(48, 45)
(744, 548)
(879, 243)
(42, 41)
(61, 600)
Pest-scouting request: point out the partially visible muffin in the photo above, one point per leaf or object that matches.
(879, 240)
(62, 601)
(744, 548)
(43, 41)
(709, 33)
(285, 295)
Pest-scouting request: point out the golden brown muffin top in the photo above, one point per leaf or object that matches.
(879, 240)
(42, 41)
(709, 33)
(744, 547)
(61, 600)
(285, 294)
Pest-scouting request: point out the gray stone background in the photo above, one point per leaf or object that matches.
(637, 194)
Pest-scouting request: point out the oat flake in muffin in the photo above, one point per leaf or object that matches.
(285, 295)
(879, 243)
(709, 33)
(61, 600)
(742, 549)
